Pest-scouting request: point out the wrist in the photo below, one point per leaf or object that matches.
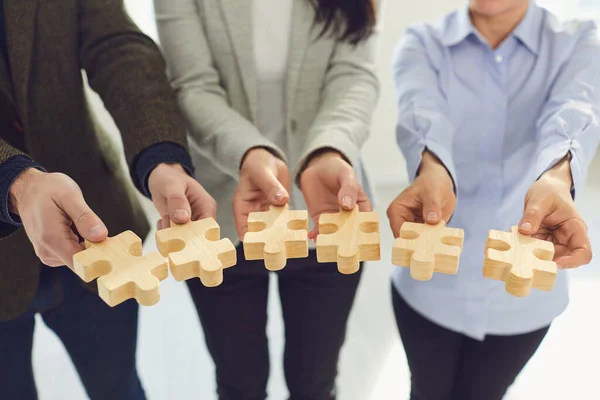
(323, 155)
(256, 153)
(15, 193)
(560, 174)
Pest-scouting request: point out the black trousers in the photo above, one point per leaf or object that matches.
(447, 365)
(315, 300)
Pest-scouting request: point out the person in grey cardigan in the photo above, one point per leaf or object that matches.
(278, 97)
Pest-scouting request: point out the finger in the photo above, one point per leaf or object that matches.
(165, 222)
(202, 204)
(535, 210)
(159, 225)
(240, 218)
(432, 205)
(178, 205)
(87, 223)
(267, 182)
(349, 190)
(575, 258)
(312, 235)
(52, 262)
(363, 202)
(578, 246)
(398, 215)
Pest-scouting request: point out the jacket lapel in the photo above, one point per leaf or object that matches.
(302, 23)
(20, 34)
(238, 16)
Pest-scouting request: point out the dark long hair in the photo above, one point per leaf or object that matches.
(347, 20)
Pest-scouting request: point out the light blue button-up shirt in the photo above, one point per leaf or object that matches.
(497, 119)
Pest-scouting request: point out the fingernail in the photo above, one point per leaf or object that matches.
(526, 226)
(347, 202)
(432, 216)
(181, 214)
(279, 196)
(97, 230)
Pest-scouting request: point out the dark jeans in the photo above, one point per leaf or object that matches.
(447, 365)
(101, 341)
(315, 300)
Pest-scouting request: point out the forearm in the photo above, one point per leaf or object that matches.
(219, 132)
(127, 70)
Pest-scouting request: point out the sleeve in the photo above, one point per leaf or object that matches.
(570, 119)
(220, 133)
(349, 96)
(158, 154)
(126, 69)
(12, 163)
(423, 121)
(9, 171)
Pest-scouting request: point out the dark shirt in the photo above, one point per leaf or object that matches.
(144, 164)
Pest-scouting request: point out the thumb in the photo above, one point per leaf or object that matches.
(88, 224)
(267, 182)
(178, 205)
(349, 188)
(536, 209)
(432, 205)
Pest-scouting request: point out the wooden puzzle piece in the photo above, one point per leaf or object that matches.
(276, 235)
(426, 249)
(122, 271)
(196, 250)
(348, 237)
(519, 260)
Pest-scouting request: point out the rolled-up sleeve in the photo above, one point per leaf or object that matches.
(423, 121)
(570, 120)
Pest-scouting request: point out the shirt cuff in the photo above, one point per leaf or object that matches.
(9, 171)
(551, 155)
(414, 158)
(154, 155)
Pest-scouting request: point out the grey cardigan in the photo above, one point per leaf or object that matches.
(331, 91)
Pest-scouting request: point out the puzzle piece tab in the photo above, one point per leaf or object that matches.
(348, 237)
(519, 260)
(276, 235)
(122, 271)
(195, 250)
(426, 249)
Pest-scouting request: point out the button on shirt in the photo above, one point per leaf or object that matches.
(497, 119)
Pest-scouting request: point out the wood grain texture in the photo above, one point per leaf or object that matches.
(196, 250)
(122, 271)
(348, 237)
(276, 235)
(521, 261)
(426, 249)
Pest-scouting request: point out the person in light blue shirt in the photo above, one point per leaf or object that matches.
(499, 118)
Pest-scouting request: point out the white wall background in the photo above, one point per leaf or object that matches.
(172, 358)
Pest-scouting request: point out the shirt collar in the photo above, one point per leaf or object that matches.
(528, 30)
(459, 27)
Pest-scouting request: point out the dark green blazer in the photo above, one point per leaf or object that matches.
(49, 43)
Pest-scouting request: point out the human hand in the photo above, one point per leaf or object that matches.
(53, 212)
(329, 183)
(429, 199)
(550, 214)
(178, 197)
(264, 181)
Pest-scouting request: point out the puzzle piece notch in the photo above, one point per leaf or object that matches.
(426, 249)
(523, 262)
(122, 271)
(276, 235)
(196, 250)
(347, 238)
